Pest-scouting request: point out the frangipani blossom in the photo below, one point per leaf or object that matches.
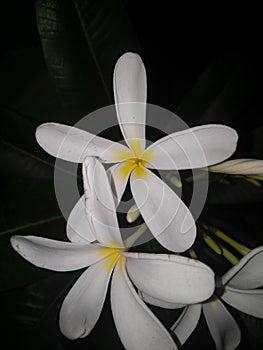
(248, 167)
(163, 211)
(240, 290)
(172, 278)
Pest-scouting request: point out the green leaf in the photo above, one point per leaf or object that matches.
(26, 84)
(28, 206)
(234, 191)
(257, 149)
(25, 201)
(20, 153)
(81, 41)
(251, 328)
(221, 93)
(31, 312)
(241, 222)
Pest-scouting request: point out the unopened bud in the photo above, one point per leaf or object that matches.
(133, 214)
(239, 167)
(174, 180)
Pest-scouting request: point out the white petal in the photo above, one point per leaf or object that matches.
(222, 326)
(78, 226)
(193, 148)
(248, 301)
(165, 214)
(248, 273)
(100, 205)
(172, 278)
(137, 326)
(158, 302)
(239, 166)
(129, 82)
(187, 322)
(83, 304)
(74, 145)
(56, 255)
(119, 174)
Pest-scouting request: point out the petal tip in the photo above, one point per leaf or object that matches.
(129, 55)
(188, 243)
(14, 241)
(41, 133)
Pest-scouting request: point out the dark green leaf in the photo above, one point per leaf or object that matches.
(31, 312)
(240, 222)
(251, 327)
(257, 148)
(26, 200)
(221, 93)
(28, 206)
(26, 85)
(82, 41)
(233, 191)
(20, 153)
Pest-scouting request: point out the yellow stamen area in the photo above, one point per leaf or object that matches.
(125, 169)
(135, 146)
(134, 164)
(111, 255)
(123, 155)
(140, 172)
(111, 261)
(121, 262)
(135, 152)
(133, 160)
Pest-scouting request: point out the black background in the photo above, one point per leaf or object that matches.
(178, 45)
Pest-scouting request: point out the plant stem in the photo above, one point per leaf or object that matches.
(137, 234)
(253, 181)
(31, 224)
(220, 249)
(212, 244)
(193, 254)
(243, 250)
(229, 256)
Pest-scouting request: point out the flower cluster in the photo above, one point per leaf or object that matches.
(95, 241)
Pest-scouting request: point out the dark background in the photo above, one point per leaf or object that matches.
(202, 63)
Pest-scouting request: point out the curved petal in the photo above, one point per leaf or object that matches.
(222, 326)
(165, 214)
(74, 145)
(239, 166)
(137, 326)
(56, 255)
(158, 302)
(172, 278)
(248, 273)
(248, 301)
(187, 322)
(129, 82)
(119, 174)
(193, 148)
(100, 205)
(78, 226)
(82, 306)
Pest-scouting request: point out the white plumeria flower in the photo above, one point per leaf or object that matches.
(239, 289)
(165, 214)
(248, 167)
(172, 278)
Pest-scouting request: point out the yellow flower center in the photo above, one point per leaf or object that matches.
(113, 255)
(133, 160)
